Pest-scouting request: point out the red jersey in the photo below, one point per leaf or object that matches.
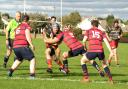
(20, 37)
(95, 38)
(69, 39)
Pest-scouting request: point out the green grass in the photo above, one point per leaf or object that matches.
(20, 79)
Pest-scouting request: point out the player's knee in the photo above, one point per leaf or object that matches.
(47, 51)
(84, 60)
(104, 64)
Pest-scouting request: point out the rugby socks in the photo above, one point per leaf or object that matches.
(6, 59)
(107, 71)
(32, 74)
(59, 63)
(95, 65)
(10, 72)
(65, 62)
(49, 62)
(85, 71)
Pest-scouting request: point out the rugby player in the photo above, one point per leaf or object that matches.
(10, 35)
(21, 48)
(114, 34)
(95, 49)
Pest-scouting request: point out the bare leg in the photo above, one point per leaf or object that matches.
(13, 68)
(32, 67)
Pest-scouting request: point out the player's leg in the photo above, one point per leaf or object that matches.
(110, 58)
(107, 70)
(9, 44)
(49, 60)
(84, 60)
(28, 54)
(91, 57)
(97, 67)
(13, 67)
(65, 61)
(57, 58)
(116, 56)
(6, 57)
(32, 67)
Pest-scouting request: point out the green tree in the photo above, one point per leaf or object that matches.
(1, 23)
(110, 19)
(35, 19)
(36, 22)
(73, 18)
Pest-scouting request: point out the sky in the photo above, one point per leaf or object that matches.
(98, 8)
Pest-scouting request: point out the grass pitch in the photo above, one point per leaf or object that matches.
(58, 80)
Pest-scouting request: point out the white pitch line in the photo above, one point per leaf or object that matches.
(53, 79)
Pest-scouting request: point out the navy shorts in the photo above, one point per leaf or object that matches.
(76, 52)
(93, 55)
(24, 53)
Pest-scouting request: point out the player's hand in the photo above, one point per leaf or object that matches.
(119, 37)
(7, 42)
(32, 47)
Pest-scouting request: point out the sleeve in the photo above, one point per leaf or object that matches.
(9, 26)
(60, 36)
(28, 27)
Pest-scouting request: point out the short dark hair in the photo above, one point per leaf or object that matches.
(53, 17)
(25, 17)
(95, 23)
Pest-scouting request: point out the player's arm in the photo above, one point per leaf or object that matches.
(56, 39)
(28, 37)
(84, 41)
(107, 35)
(121, 33)
(8, 28)
(51, 41)
(107, 44)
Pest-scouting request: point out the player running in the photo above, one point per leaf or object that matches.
(115, 33)
(95, 49)
(21, 48)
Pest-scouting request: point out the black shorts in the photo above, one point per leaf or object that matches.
(52, 51)
(24, 53)
(76, 52)
(10, 43)
(93, 55)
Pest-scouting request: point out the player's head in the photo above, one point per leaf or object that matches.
(116, 23)
(25, 18)
(18, 15)
(95, 23)
(67, 27)
(53, 19)
(55, 28)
